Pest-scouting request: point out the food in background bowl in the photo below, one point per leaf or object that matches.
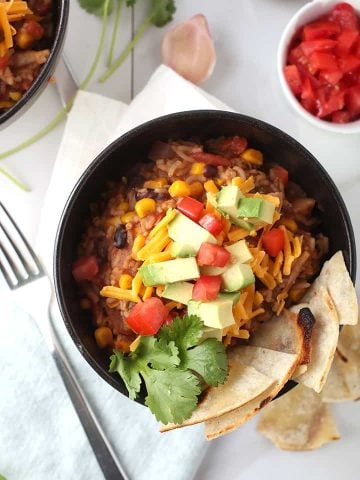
(323, 65)
(175, 371)
(27, 29)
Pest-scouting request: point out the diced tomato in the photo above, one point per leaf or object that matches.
(34, 29)
(210, 159)
(233, 146)
(4, 61)
(211, 223)
(206, 287)
(345, 41)
(352, 98)
(213, 255)
(320, 44)
(147, 317)
(293, 78)
(297, 57)
(320, 29)
(309, 105)
(308, 92)
(191, 208)
(340, 117)
(345, 16)
(273, 241)
(281, 173)
(332, 77)
(322, 61)
(85, 268)
(349, 63)
(336, 101)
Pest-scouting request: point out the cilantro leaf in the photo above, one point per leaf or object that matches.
(172, 394)
(184, 332)
(158, 353)
(128, 371)
(209, 360)
(162, 12)
(96, 7)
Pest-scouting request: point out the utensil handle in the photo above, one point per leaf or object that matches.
(102, 449)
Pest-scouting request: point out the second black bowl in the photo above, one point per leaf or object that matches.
(117, 159)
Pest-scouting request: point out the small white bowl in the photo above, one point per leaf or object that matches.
(308, 13)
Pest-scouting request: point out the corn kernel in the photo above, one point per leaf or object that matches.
(253, 156)
(160, 182)
(139, 242)
(197, 189)
(15, 96)
(123, 206)
(289, 223)
(179, 188)
(197, 168)
(125, 281)
(238, 181)
(145, 206)
(24, 40)
(128, 217)
(210, 186)
(103, 337)
(85, 304)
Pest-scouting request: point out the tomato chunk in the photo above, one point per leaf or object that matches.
(191, 208)
(213, 255)
(4, 61)
(210, 159)
(232, 145)
(147, 317)
(320, 44)
(281, 173)
(85, 268)
(273, 241)
(322, 61)
(206, 287)
(352, 99)
(293, 78)
(345, 16)
(211, 223)
(320, 29)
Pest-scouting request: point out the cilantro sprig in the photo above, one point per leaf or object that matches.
(173, 365)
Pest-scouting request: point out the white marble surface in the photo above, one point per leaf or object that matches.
(246, 33)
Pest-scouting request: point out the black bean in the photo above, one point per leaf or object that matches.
(120, 236)
(210, 171)
(149, 193)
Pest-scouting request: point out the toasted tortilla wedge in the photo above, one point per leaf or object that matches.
(298, 421)
(278, 365)
(289, 333)
(336, 279)
(323, 341)
(343, 381)
(242, 385)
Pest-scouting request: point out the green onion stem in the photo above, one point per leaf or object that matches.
(118, 6)
(14, 180)
(62, 113)
(140, 31)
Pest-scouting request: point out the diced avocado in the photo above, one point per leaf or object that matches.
(216, 314)
(178, 292)
(256, 210)
(240, 251)
(210, 332)
(237, 276)
(208, 270)
(228, 202)
(182, 250)
(233, 296)
(169, 272)
(184, 230)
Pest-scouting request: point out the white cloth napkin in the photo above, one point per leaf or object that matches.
(42, 437)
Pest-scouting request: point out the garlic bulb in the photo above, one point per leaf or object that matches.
(189, 49)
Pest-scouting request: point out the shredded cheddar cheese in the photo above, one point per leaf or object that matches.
(155, 245)
(119, 294)
(170, 215)
(10, 11)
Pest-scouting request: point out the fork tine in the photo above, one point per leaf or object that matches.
(21, 257)
(26, 243)
(7, 277)
(12, 265)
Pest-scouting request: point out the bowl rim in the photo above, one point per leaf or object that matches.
(118, 143)
(41, 79)
(293, 24)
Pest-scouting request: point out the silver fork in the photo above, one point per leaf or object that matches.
(24, 273)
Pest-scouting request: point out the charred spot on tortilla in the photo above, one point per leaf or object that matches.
(265, 402)
(306, 322)
(341, 355)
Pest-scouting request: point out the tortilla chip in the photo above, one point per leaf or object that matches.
(242, 385)
(278, 365)
(299, 370)
(298, 421)
(343, 382)
(289, 333)
(336, 279)
(323, 341)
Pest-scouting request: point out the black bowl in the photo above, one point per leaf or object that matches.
(60, 13)
(121, 155)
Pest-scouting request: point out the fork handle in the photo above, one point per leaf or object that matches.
(102, 449)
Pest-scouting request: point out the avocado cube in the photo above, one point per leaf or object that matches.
(256, 210)
(178, 292)
(208, 270)
(227, 203)
(237, 276)
(216, 314)
(193, 307)
(210, 332)
(233, 296)
(169, 272)
(183, 230)
(182, 250)
(240, 251)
